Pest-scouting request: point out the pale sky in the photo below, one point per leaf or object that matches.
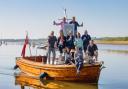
(102, 18)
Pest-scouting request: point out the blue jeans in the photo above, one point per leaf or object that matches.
(79, 66)
(49, 54)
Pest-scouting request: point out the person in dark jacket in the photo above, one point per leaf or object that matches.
(52, 45)
(76, 24)
(86, 38)
(92, 50)
(70, 43)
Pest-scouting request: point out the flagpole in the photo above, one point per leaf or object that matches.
(29, 44)
(30, 50)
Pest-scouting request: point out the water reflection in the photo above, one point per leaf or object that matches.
(31, 82)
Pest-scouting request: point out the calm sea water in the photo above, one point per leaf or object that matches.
(114, 76)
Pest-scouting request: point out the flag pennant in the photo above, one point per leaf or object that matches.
(24, 46)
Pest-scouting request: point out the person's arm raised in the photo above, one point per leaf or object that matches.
(54, 23)
(81, 25)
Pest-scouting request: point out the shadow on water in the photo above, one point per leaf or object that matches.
(25, 81)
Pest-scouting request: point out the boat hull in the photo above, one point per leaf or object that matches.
(89, 73)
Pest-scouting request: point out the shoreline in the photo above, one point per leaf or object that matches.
(111, 42)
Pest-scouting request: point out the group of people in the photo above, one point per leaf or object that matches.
(71, 46)
(73, 21)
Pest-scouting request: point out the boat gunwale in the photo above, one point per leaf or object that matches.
(50, 66)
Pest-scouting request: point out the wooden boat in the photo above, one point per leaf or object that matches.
(35, 65)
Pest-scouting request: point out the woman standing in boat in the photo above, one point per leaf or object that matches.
(61, 42)
(52, 45)
(61, 23)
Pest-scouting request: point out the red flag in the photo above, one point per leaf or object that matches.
(24, 47)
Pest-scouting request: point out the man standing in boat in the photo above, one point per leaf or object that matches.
(92, 50)
(52, 45)
(76, 24)
(86, 38)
